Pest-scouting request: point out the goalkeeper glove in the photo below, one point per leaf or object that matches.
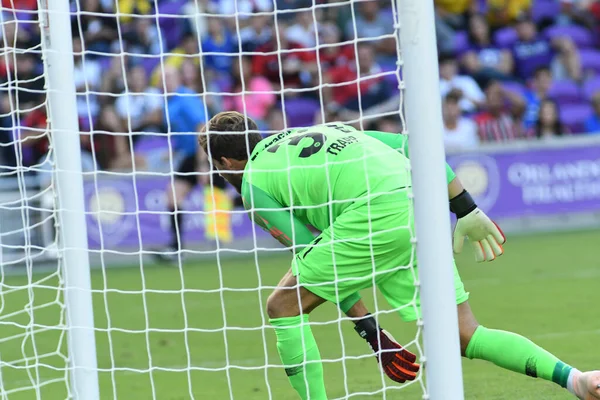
(486, 237)
(397, 362)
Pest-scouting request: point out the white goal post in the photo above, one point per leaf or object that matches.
(68, 329)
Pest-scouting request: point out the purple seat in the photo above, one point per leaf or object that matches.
(172, 33)
(224, 83)
(105, 62)
(575, 115)
(565, 92)
(580, 36)
(171, 21)
(544, 9)
(174, 7)
(514, 87)
(149, 63)
(301, 112)
(482, 6)
(590, 87)
(461, 42)
(590, 60)
(392, 80)
(505, 37)
(150, 143)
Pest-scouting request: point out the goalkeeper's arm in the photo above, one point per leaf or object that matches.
(485, 236)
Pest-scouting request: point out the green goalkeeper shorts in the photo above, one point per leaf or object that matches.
(366, 246)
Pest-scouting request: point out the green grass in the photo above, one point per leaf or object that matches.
(544, 287)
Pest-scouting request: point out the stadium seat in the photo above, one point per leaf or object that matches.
(151, 143)
(171, 25)
(461, 42)
(590, 87)
(580, 36)
(575, 115)
(482, 6)
(514, 87)
(565, 91)
(544, 9)
(505, 37)
(590, 60)
(301, 112)
(149, 63)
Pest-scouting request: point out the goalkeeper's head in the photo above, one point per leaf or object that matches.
(229, 138)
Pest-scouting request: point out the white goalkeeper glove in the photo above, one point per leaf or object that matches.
(486, 237)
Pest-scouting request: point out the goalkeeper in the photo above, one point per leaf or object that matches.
(353, 186)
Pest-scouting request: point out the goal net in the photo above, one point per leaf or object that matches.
(177, 319)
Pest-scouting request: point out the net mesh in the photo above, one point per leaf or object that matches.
(179, 319)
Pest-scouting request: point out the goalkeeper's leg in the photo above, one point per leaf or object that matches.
(519, 354)
(288, 308)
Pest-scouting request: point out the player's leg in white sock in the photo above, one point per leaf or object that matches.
(519, 354)
(585, 385)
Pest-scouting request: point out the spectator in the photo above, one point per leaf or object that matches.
(460, 133)
(31, 131)
(98, 25)
(244, 7)
(449, 17)
(8, 157)
(372, 23)
(453, 12)
(254, 94)
(218, 47)
(540, 85)
(577, 12)
(332, 53)
(112, 81)
(531, 52)
(472, 96)
(483, 60)
(102, 137)
(257, 33)
(30, 90)
(13, 36)
(141, 37)
(195, 15)
(388, 124)
(87, 76)
(304, 31)
(19, 4)
(187, 49)
(289, 5)
(298, 66)
(275, 121)
(592, 124)
(548, 125)
(139, 108)
(494, 124)
(504, 12)
(184, 114)
(128, 8)
(192, 79)
(372, 95)
(33, 135)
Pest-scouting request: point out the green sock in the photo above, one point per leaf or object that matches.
(516, 353)
(306, 378)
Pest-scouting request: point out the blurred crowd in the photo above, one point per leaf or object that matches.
(509, 69)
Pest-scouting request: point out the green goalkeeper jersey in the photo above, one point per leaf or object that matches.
(309, 176)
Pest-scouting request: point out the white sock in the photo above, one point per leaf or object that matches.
(572, 376)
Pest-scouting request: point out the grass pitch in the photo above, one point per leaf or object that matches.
(160, 329)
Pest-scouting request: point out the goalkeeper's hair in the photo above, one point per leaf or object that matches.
(230, 134)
